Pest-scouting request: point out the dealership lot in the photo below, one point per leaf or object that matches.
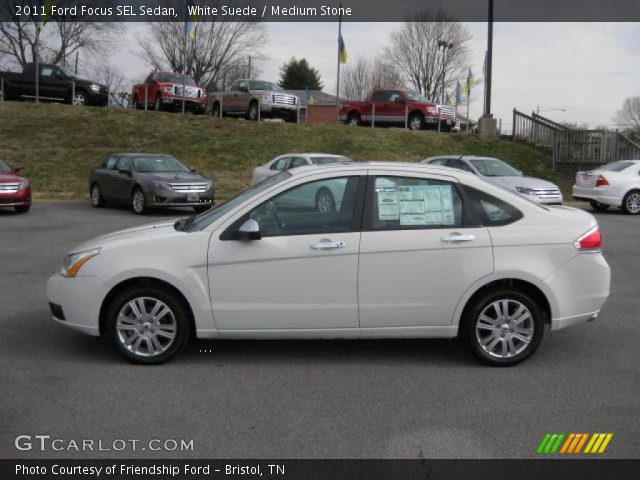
(314, 399)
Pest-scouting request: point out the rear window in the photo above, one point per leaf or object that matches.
(325, 160)
(617, 166)
(492, 211)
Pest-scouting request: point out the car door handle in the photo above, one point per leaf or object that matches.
(327, 245)
(456, 237)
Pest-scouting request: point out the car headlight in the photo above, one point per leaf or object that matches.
(168, 89)
(24, 184)
(266, 98)
(74, 261)
(526, 191)
(94, 87)
(163, 186)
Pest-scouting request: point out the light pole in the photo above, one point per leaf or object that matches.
(443, 45)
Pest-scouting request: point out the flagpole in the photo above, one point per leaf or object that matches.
(468, 97)
(35, 60)
(184, 66)
(338, 80)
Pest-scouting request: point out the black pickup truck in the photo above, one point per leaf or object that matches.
(55, 84)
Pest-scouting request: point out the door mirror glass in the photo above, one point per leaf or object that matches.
(249, 230)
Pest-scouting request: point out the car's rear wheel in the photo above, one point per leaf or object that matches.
(22, 208)
(631, 202)
(148, 324)
(325, 203)
(597, 206)
(138, 202)
(503, 326)
(96, 196)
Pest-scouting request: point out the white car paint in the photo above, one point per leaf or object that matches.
(298, 159)
(621, 186)
(400, 283)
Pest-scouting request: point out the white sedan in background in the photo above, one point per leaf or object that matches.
(616, 184)
(293, 160)
(413, 251)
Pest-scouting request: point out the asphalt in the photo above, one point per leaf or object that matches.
(304, 399)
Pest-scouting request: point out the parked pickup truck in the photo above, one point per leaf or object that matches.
(391, 107)
(55, 84)
(248, 97)
(163, 90)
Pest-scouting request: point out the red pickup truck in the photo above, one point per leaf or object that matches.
(392, 106)
(163, 90)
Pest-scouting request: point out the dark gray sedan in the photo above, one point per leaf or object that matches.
(145, 180)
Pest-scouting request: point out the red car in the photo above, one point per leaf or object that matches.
(14, 189)
(163, 91)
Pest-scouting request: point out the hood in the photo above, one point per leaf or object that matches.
(173, 177)
(141, 233)
(6, 177)
(527, 182)
(84, 80)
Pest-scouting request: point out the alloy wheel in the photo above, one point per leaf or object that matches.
(79, 99)
(95, 196)
(415, 123)
(504, 328)
(633, 203)
(138, 201)
(146, 326)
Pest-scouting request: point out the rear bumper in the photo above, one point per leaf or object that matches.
(21, 198)
(600, 195)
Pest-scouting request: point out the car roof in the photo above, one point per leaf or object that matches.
(381, 165)
(132, 154)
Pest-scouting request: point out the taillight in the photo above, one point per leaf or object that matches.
(589, 242)
(601, 181)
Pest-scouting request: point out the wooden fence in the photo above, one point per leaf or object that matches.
(573, 149)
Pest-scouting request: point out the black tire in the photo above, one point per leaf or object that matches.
(416, 121)
(354, 120)
(147, 327)
(96, 196)
(501, 333)
(134, 103)
(252, 113)
(597, 206)
(325, 202)
(157, 104)
(22, 208)
(138, 201)
(201, 208)
(631, 202)
(81, 99)
(215, 110)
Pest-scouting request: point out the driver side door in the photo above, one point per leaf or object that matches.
(301, 276)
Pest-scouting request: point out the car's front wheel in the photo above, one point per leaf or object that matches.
(22, 208)
(416, 121)
(354, 120)
(148, 324)
(138, 202)
(157, 105)
(503, 327)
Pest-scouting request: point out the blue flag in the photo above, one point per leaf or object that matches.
(342, 50)
(190, 19)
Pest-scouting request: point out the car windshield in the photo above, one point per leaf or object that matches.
(325, 160)
(203, 220)
(4, 167)
(158, 164)
(175, 78)
(259, 85)
(617, 166)
(415, 97)
(492, 167)
(68, 73)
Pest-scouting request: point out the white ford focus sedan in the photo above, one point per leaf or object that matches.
(406, 251)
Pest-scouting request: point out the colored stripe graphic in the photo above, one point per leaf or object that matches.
(573, 443)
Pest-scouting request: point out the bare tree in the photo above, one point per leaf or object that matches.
(213, 45)
(59, 39)
(414, 48)
(235, 71)
(362, 75)
(104, 72)
(629, 114)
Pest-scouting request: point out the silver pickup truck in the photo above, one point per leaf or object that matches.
(254, 99)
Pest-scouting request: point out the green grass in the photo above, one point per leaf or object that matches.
(56, 145)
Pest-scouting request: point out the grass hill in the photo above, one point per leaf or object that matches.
(56, 145)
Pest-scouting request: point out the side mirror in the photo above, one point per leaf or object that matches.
(249, 230)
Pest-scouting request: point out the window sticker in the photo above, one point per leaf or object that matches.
(426, 205)
(388, 203)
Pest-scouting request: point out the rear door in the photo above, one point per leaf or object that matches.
(419, 251)
(123, 179)
(106, 177)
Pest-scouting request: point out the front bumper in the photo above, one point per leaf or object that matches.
(167, 198)
(600, 195)
(189, 102)
(268, 109)
(21, 198)
(78, 301)
(98, 99)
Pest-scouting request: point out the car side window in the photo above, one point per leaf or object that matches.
(111, 163)
(243, 85)
(298, 162)
(280, 164)
(317, 207)
(124, 163)
(459, 164)
(439, 161)
(395, 96)
(46, 72)
(380, 96)
(492, 211)
(402, 203)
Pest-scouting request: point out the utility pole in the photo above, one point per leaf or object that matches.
(249, 76)
(487, 99)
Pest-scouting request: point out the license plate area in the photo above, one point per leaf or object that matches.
(193, 197)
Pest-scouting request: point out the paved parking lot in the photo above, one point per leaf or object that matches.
(312, 399)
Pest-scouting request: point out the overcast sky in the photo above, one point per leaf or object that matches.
(587, 69)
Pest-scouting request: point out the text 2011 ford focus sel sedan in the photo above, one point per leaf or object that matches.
(408, 251)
